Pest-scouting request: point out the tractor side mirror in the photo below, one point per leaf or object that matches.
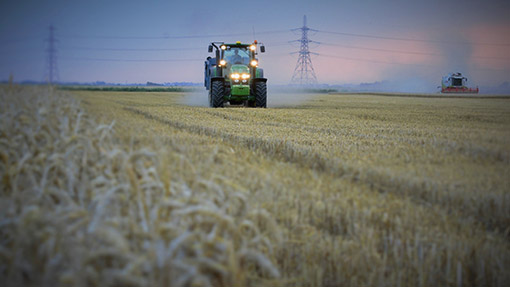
(210, 49)
(262, 49)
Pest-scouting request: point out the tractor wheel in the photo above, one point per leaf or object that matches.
(209, 99)
(217, 93)
(260, 94)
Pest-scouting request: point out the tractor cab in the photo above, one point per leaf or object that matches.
(237, 56)
(455, 80)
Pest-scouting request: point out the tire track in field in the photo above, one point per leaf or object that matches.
(472, 151)
(225, 116)
(491, 210)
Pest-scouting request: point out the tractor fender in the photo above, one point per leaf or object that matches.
(209, 80)
(217, 79)
(264, 80)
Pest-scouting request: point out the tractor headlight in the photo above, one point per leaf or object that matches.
(254, 63)
(223, 62)
(245, 76)
(234, 76)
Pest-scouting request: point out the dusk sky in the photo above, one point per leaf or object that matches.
(166, 41)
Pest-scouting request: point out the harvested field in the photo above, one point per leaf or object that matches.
(116, 188)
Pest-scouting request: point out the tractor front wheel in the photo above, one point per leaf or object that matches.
(216, 94)
(260, 94)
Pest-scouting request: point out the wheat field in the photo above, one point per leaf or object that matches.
(140, 189)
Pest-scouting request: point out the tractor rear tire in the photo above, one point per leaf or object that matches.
(217, 93)
(260, 94)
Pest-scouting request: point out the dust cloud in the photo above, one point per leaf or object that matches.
(281, 97)
(197, 98)
(277, 97)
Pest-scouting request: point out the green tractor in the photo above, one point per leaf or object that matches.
(233, 75)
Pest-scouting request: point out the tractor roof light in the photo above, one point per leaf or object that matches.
(254, 63)
(253, 47)
(223, 47)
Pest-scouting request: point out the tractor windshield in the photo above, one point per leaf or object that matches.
(237, 56)
(456, 82)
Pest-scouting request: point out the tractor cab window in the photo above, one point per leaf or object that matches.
(456, 82)
(237, 56)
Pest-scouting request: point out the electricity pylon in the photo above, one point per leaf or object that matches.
(51, 71)
(304, 74)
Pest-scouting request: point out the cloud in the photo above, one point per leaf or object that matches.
(490, 56)
(369, 60)
(490, 64)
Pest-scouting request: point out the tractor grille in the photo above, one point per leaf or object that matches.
(239, 82)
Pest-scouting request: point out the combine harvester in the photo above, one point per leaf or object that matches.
(233, 76)
(456, 83)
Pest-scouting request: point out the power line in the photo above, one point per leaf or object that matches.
(396, 63)
(303, 73)
(132, 49)
(404, 52)
(267, 44)
(412, 39)
(380, 50)
(169, 36)
(371, 61)
(131, 60)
